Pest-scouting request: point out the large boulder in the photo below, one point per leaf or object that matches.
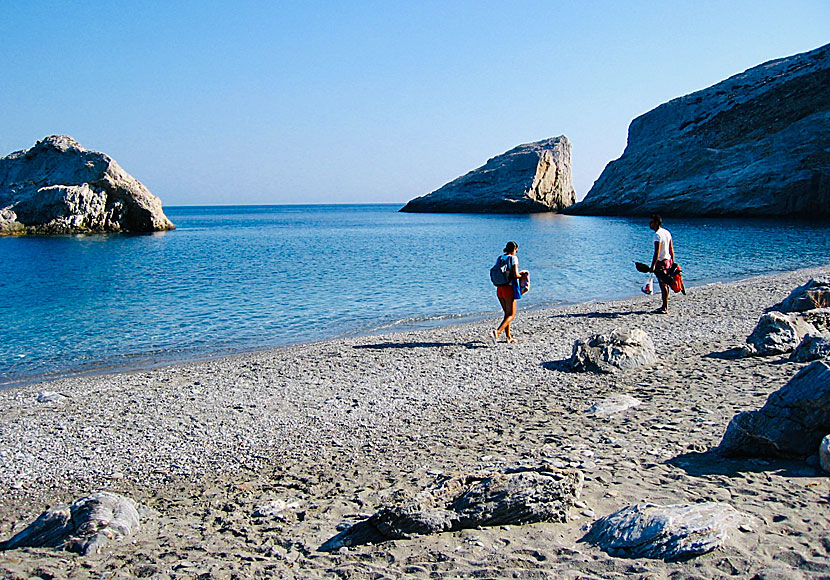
(672, 532)
(812, 295)
(531, 178)
(623, 349)
(754, 144)
(84, 526)
(791, 423)
(58, 187)
(777, 333)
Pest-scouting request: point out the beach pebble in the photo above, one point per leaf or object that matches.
(50, 397)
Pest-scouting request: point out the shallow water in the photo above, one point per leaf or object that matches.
(233, 279)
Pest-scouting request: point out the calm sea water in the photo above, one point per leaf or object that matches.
(233, 279)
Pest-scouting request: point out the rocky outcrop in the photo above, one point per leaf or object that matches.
(532, 178)
(791, 423)
(623, 349)
(752, 145)
(58, 187)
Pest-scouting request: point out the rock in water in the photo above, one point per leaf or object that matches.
(520, 497)
(532, 178)
(754, 144)
(623, 349)
(58, 187)
(84, 526)
(672, 532)
(791, 423)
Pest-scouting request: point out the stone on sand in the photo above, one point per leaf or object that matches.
(777, 333)
(470, 501)
(622, 349)
(791, 423)
(672, 532)
(84, 526)
(616, 403)
(812, 347)
(814, 294)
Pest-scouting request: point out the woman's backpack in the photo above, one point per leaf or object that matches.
(501, 272)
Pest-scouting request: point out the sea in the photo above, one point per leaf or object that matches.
(232, 279)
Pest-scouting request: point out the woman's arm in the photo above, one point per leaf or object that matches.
(671, 250)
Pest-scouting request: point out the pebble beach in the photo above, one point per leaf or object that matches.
(246, 465)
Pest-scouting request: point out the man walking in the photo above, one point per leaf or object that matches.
(662, 260)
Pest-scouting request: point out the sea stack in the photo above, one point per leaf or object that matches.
(58, 187)
(755, 144)
(531, 178)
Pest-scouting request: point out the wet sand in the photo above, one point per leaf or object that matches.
(320, 435)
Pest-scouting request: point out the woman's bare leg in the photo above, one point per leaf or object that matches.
(509, 307)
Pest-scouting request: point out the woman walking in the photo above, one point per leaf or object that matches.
(506, 292)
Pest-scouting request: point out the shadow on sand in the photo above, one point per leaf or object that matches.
(610, 315)
(713, 463)
(385, 345)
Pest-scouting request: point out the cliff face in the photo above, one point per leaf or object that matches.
(756, 144)
(58, 187)
(531, 178)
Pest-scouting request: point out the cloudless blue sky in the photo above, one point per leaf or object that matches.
(271, 102)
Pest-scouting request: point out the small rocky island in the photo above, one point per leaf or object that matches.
(530, 178)
(58, 187)
(755, 144)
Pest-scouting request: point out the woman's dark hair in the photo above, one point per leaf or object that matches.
(510, 247)
(657, 219)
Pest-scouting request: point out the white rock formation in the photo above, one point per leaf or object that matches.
(58, 187)
(531, 178)
(754, 144)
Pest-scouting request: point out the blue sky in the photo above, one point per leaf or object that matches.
(360, 102)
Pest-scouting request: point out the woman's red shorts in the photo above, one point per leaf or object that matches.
(504, 291)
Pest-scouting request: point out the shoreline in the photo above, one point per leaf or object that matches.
(421, 325)
(332, 428)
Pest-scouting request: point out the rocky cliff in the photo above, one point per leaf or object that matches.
(58, 187)
(756, 144)
(535, 177)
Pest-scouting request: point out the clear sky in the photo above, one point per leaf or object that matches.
(309, 101)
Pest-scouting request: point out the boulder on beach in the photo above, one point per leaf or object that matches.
(777, 333)
(791, 423)
(518, 497)
(810, 296)
(754, 144)
(623, 349)
(819, 318)
(531, 178)
(58, 187)
(812, 347)
(672, 532)
(84, 526)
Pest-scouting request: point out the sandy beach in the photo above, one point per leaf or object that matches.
(248, 464)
